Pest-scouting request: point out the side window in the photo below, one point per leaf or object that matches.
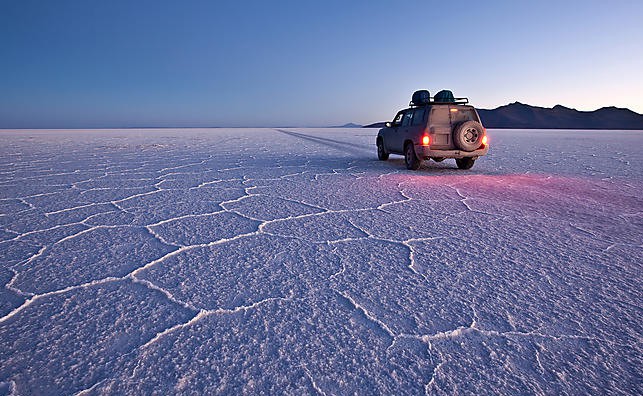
(408, 115)
(418, 116)
(398, 118)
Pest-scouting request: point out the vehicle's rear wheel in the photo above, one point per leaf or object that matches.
(382, 155)
(468, 135)
(465, 163)
(411, 160)
(437, 159)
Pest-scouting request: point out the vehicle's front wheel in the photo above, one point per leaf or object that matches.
(411, 160)
(465, 163)
(382, 155)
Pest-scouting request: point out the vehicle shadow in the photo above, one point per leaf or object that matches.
(336, 144)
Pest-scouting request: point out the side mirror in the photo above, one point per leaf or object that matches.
(388, 124)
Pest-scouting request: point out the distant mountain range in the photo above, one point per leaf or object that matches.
(519, 115)
(522, 116)
(349, 125)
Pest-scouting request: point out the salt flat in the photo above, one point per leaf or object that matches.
(292, 261)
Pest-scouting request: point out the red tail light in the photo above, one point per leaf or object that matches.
(426, 140)
(484, 140)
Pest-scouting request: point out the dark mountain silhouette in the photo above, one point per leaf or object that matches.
(349, 125)
(519, 115)
(522, 116)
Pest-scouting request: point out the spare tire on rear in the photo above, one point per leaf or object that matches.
(468, 135)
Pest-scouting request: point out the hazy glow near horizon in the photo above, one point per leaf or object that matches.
(199, 63)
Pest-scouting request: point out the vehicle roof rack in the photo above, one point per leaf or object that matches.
(432, 101)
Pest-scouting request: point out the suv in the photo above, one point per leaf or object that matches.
(434, 128)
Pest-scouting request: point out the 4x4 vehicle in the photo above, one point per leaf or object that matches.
(434, 128)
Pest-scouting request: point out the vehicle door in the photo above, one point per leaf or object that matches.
(402, 132)
(418, 124)
(391, 133)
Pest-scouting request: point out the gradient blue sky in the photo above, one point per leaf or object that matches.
(96, 63)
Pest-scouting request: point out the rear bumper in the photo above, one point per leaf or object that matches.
(425, 152)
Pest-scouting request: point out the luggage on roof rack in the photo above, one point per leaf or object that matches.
(423, 98)
(420, 97)
(444, 96)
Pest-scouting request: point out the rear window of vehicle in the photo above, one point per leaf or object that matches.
(462, 114)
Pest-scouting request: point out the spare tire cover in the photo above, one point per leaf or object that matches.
(468, 135)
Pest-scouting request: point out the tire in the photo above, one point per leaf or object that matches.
(465, 163)
(410, 159)
(382, 155)
(468, 135)
(437, 159)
